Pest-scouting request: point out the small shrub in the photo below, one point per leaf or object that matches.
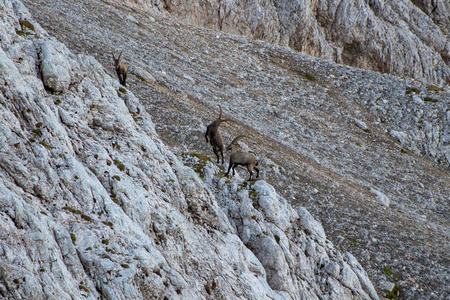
(106, 242)
(116, 177)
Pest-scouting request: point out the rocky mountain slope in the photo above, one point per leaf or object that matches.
(94, 205)
(405, 37)
(363, 152)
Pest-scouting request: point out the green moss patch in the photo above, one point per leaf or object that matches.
(73, 238)
(25, 28)
(389, 272)
(43, 143)
(72, 210)
(310, 77)
(277, 238)
(110, 224)
(394, 294)
(86, 217)
(119, 165)
(26, 24)
(83, 288)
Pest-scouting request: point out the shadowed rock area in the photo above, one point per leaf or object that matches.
(367, 154)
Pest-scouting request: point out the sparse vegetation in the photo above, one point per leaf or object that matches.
(277, 238)
(389, 272)
(25, 27)
(123, 90)
(310, 77)
(203, 160)
(72, 210)
(83, 288)
(410, 90)
(429, 99)
(86, 217)
(110, 224)
(43, 143)
(394, 294)
(435, 88)
(119, 165)
(73, 237)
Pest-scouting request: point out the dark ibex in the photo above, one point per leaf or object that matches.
(121, 69)
(240, 158)
(215, 138)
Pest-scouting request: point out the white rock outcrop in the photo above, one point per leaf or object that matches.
(93, 204)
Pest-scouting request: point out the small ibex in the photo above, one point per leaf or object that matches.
(121, 69)
(240, 158)
(215, 138)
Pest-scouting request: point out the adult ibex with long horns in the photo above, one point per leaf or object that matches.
(215, 138)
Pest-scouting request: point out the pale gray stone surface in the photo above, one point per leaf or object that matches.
(93, 204)
(404, 37)
(300, 128)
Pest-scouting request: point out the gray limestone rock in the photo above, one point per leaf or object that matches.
(94, 205)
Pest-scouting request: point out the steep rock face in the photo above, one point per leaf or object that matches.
(394, 37)
(93, 204)
(327, 135)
